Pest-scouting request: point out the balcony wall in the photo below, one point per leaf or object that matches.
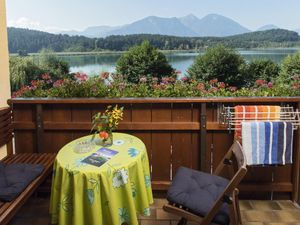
(176, 131)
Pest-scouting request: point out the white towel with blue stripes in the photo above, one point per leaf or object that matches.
(268, 143)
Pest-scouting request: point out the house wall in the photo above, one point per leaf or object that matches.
(4, 64)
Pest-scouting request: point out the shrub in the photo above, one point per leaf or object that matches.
(52, 65)
(143, 60)
(218, 62)
(261, 69)
(290, 67)
(22, 71)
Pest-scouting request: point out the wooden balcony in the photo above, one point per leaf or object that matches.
(176, 131)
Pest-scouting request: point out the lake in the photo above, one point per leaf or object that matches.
(94, 64)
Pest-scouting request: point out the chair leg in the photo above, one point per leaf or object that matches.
(182, 221)
(237, 206)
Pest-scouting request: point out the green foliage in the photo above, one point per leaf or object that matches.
(143, 60)
(52, 65)
(218, 62)
(290, 67)
(23, 71)
(35, 41)
(263, 69)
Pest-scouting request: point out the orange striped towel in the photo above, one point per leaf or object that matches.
(254, 112)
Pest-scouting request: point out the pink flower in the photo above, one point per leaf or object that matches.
(81, 77)
(34, 83)
(232, 88)
(184, 79)
(213, 81)
(155, 80)
(260, 82)
(58, 83)
(270, 85)
(213, 89)
(221, 85)
(143, 79)
(295, 77)
(104, 75)
(165, 80)
(46, 76)
(200, 87)
(296, 86)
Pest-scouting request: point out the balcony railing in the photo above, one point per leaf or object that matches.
(176, 131)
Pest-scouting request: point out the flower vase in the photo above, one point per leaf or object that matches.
(106, 142)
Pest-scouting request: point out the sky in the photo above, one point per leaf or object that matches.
(57, 15)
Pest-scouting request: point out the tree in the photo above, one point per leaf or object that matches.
(221, 63)
(264, 69)
(290, 67)
(143, 60)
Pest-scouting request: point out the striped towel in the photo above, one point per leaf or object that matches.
(267, 143)
(254, 112)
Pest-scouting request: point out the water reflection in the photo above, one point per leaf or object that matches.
(94, 64)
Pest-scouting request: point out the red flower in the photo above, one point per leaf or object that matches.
(103, 134)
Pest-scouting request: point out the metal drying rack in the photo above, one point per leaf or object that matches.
(228, 117)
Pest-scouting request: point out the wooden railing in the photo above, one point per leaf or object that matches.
(176, 131)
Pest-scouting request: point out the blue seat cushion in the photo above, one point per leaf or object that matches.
(198, 191)
(14, 178)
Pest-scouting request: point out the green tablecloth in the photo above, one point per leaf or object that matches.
(113, 193)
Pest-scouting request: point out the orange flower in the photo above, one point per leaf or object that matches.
(103, 135)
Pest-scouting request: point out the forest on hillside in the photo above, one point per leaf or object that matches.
(25, 41)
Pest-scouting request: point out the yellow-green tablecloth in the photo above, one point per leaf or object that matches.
(113, 193)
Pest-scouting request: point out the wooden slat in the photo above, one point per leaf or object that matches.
(123, 126)
(267, 187)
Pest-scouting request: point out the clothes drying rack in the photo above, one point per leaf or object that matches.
(232, 120)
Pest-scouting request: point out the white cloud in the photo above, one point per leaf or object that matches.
(24, 22)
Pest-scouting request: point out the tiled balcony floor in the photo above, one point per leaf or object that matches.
(35, 212)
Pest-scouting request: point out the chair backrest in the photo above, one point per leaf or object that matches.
(6, 128)
(235, 153)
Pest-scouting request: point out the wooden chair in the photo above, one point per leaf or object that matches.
(235, 160)
(9, 209)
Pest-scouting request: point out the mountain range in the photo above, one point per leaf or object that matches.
(212, 25)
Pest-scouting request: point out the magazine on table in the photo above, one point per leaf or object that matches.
(100, 157)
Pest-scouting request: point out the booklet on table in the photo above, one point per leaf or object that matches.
(100, 157)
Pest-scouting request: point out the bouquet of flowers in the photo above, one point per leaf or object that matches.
(105, 123)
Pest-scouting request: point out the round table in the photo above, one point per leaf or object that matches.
(113, 193)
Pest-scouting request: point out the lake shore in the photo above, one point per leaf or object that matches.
(163, 51)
